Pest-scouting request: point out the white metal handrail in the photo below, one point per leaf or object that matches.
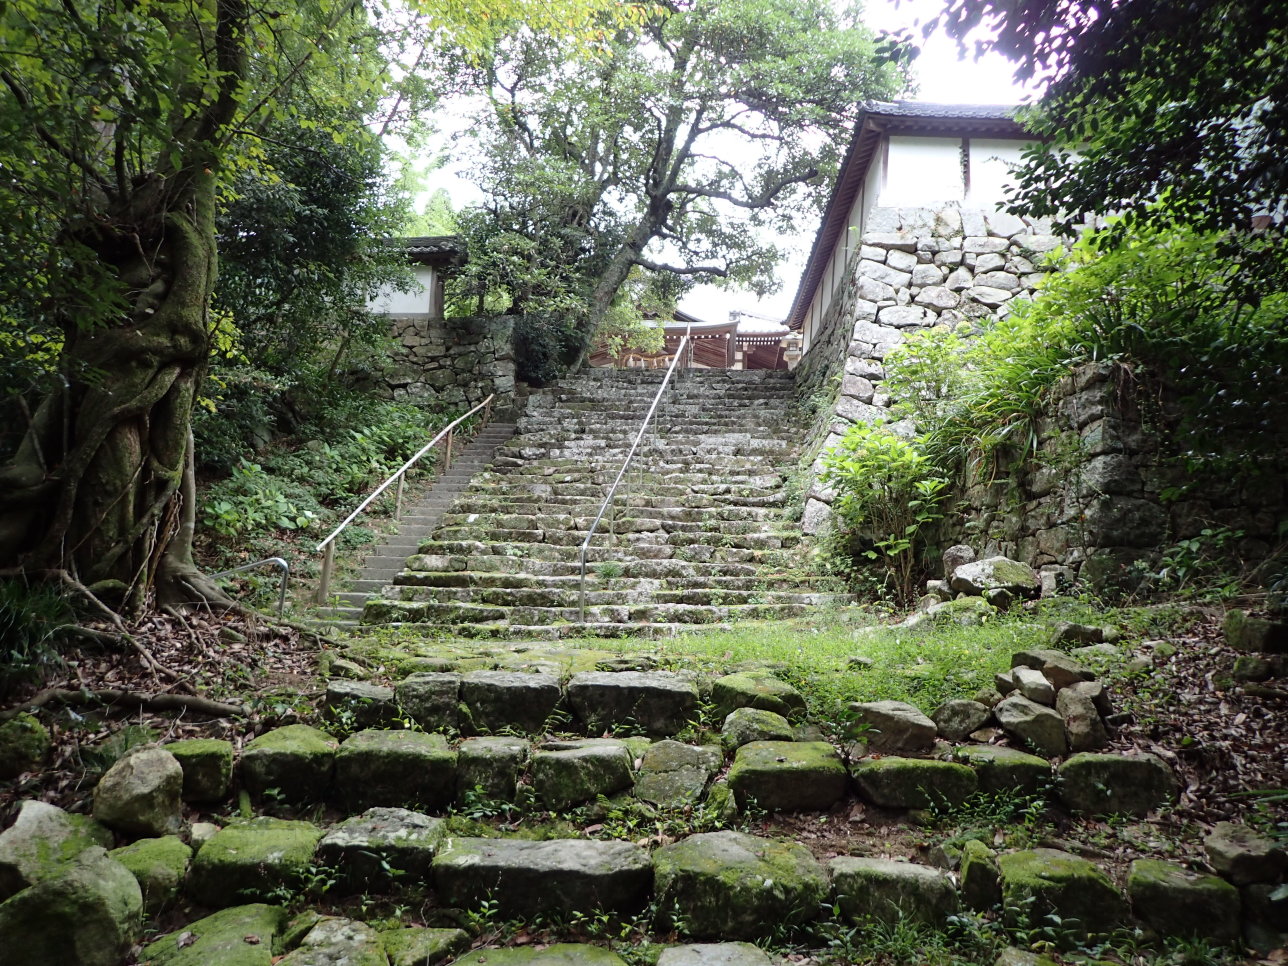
(328, 562)
(612, 491)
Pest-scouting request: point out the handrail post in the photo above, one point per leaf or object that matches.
(398, 498)
(487, 411)
(447, 463)
(328, 563)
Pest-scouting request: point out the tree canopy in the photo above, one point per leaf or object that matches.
(669, 157)
(1150, 101)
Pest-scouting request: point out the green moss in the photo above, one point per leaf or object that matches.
(252, 859)
(24, 743)
(221, 939)
(159, 865)
(207, 765)
(788, 775)
(417, 946)
(894, 782)
(1042, 883)
(1176, 902)
(756, 689)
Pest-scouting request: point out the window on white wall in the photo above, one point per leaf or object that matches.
(923, 171)
(991, 164)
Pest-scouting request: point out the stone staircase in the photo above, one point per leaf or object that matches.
(419, 519)
(700, 538)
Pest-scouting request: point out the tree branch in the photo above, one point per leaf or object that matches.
(715, 270)
(147, 702)
(759, 201)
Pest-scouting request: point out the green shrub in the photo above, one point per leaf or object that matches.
(32, 619)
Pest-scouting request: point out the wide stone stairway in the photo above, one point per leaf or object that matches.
(697, 534)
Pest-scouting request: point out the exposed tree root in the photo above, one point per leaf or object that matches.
(147, 702)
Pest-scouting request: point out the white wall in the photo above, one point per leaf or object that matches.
(414, 302)
(990, 170)
(922, 172)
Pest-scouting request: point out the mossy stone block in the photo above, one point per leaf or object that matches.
(1104, 784)
(658, 703)
(885, 891)
(491, 766)
(1176, 902)
(1003, 770)
(419, 946)
(981, 883)
(558, 954)
(41, 840)
(745, 725)
(24, 745)
(729, 885)
(495, 700)
(221, 939)
(756, 689)
(344, 942)
(207, 765)
(159, 865)
(251, 860)
(360, 704)
(575, 775)
(381, 848)
(674, 775)
(395, 768)
(788, 776)
(297, 760)
(432, 700)
(894, 782)
(1039, 883)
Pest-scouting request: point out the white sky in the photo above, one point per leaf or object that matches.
(941, 78)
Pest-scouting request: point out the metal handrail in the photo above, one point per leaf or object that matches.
(328, 562)
(612, 491)
(276, 562)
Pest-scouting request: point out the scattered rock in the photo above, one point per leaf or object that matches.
(954, 720)
(223, 939)
(1033, 685)
(159, 865)
(89, 914)
(1243, 855)
(1037, 726)
(715, 954)
(886, 891)
(1102, 784)
(1255, 634)
(792, 776)
(892, 727)
(744, 725)
(981, 882)
(956, 556)
(140, 794)
(1082, 724)
(1175, 902)
(966, 611)
(558, 954)
(24, 745)
(338, 942)
(730, 885)
(552, 877)
(207, 765)
(756, 689)
(975, 578)
(1069, 633)
(893, 782)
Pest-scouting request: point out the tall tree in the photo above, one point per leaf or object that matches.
(1149, 101)
(703, 130)
(119, 121)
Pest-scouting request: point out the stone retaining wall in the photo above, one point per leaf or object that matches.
(455, 363)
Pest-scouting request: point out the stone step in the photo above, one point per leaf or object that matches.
(585, 510)
(382, 611)
(595, 578)
(496, 563)
(624, 520)
(626, 592)
(636, 538)
(602, 549)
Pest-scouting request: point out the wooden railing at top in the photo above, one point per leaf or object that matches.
(328, 561)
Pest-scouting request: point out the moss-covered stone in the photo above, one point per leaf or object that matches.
(1101, 784)
(788, 776)
(715, 954)
(222, 939)
(1041, 883)
(981, 884)
(41, 840)
(886, 891)
(745, 725)
(207, 765)
(159, 865)
(24, 745)
(338, 942)
(495, 700)
(88, 914)
(558, 954)
(659, 703)
(395, 768)
(297, 761)
(721, 803)
(1255, 634)
(252, 860)
(575, 775)
(1175, 902)
(360, 704)
(491, 766)
(432, 700)
(380, 848)
(418, 946)
(1002, 769)
(893, 782)
(140, 794)
(674, 775)
(728, 885)
(756, 689)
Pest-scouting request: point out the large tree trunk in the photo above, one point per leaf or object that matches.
(98, 486)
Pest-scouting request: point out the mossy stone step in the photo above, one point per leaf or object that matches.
(252, 860)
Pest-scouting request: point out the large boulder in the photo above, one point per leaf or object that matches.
(995, 573)
(1002, 769)
(728, 885)
(360, 704)
(159, 865)
(552, 877)
(886, 891)
(490, 766)
(88, 914)
(240, 936)
(252, 860)
(295, 763)
(42, 838)
(655, 702)
(786, 776)
(1100, 784)
(980, 877)
(496, 700)
(1039, 728)
(893, 782)
(1244, 855)
(1038, 884)
(956, 719)
(141, 794)
(892, 727)
(581, 774)
(1176, 902)
(431, 700)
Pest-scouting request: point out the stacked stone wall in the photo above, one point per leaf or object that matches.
(454, 363)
